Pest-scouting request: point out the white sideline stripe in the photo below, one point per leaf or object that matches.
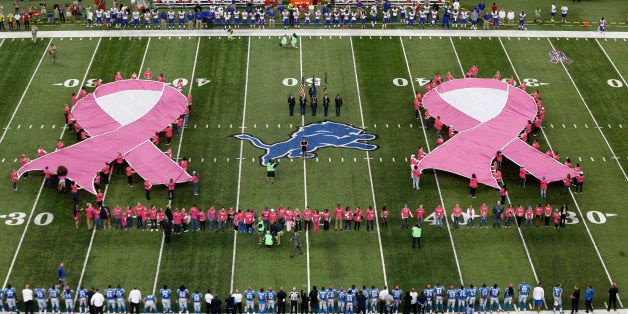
(368, 162)
(307, 232)
(19, 103)
(612, 63)
(591, 114)
(572, 196)
(321, 32)
(246, 89)
(427, 143)
(525, 246)
(163, 236)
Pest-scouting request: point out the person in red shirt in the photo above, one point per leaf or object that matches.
(556, 218)
(357, 218)
(118, 76)
(484, 215)
(77, 215)
(326, 219)
(134, 76)
(473, 185)
(161, 78)
(566, 184)
(547, 214)
(316, 220)
(99, 198)
(148, 75)
(449, 76)
(168, 132)
(497, 76)
(23, 161)
(347, 215)
(338, 217)
(405, 215)
(438, 125)
(440, 140)
(384, 215)
(129, 175)
(14, 179)
(74, 191)
(579, 182)
(420, 215)
(519, 214)
(370, 218)
(456, 212)
(147, 188)
(522, 177)
(195, 182)
(502, 193)
(510, 212)
(170, 185)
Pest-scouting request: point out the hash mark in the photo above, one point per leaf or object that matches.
(329, 159)
(267, 125)
(398, 125)
(592, 159)
(380, 159)
(42, 126)
(30, 126)
(386, 125)
(254, 125)
(19, 126)
(609, 126)
(563, 125)
(278, 126)
(580, 159)
(410, 125)
(219, 126)
(316, 159)
(231, 126)
(291, 125)
(214, 159)
(202, 159)
(393, 159)
(342, 159)
(227, 159)
(54, 126)
(586, 126)
(551, 125)
(195, 126)
(603, 159)
(2, 159)
(575, 126)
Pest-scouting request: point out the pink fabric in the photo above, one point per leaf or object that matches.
(84, 159)
(473, 148)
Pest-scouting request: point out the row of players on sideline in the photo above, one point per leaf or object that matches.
(323, 301)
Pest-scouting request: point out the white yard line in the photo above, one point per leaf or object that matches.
(19, 103)
(591, 114)
(572, 196)
(612, 63)
(307, 233)
(440, 193)
(457, 57)
(139, 73)
(163, 236)
(2, 42)
(242, 128)
(368, 163)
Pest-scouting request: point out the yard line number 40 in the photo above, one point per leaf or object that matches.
(594, 216)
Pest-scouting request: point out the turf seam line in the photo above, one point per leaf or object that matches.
(307, 232)
(572, 196)
(427, 143)
(19, 103)
(591, 114)
(246, 86)
(368, 162)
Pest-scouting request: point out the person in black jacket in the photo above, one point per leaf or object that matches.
(422, 302)
(314, 300)
(216, 304)
(302, 104)
(281, 301)
(291, 103)
(612, 297)
(575, 299)
(304, 302)
(361, 299)
(338, 102)
(325, 104)
(407, 300)
(90, 293)
(230, 303)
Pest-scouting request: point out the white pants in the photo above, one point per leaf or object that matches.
(197, 306)
(183, 303)
(322, 305)
(150, 305)
(165, 304)
(54, 303)
(69, 304)
(41, 303)
(271, 304)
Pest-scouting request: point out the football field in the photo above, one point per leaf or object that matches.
(242, 86)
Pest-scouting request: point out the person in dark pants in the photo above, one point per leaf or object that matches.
(230, 303)
(588, 299)
(303, 147)
(291, 103)
(90, 293)
(314, 104)
(294, 299)
(407, 300)
(302, 104)
(313, 298)
(281, 301)
(97, 301)
(416, 236)
(208, 299)
(575, 299)
(361, 299)
(27, 294)
(325, 104)
(421, 302)
(305, 299)
(563, 215)
(612, 297)
(338, 102)
(216, 304)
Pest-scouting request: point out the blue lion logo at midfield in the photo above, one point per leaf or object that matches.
(318, 135)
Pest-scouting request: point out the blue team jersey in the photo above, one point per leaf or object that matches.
(557, 292)
(10, 293)
(261, 297)
(249, 295)
(165, 294)
(271, 295)
(366, 293)
(374, 293)
(330, 294)
(472, 292)
(68, 294)
(119, 293)
(495, 292)
(439, 290)
(40, 293)
(82, 293)
(524, 289)
(451, 293)
(150, 298)
(484, 292)
(429, 292)
(469, 309)
(462, 294)
(322, 295)
(53, 293)
(341, 295)
(182, 294)
(350, 297)
(396, 293)
(197, 297)
(110, 294)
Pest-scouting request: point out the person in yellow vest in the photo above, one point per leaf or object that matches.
(416, 236)
(268, 240)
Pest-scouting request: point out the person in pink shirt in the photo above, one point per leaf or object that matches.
(249, 219)
(89, 215)
(510, 213)
(98, 83)
(241, 221)
(417, 105)
(420, 153)
(524, 136)
(426, 120)
(184, 163)
(161, 78)
(281, 215)
(74, 191)
(338, 217)
(449, 76)
(169, 153)
(194, 223)
(519, 214)
(547, 214)
(128, 213)
(148, 74)
(77, 215)
(473, 185)
(222, 219)
(420, 215)
(202, 220)
(211, 216)
(100, 196)
(138, 210)
(522, 177)
(440, 140)
(41, 151)
(451, 131)
(502, 193)
(543, 185)
(484, 215)
(176, 221)
(134, 76)
(119, 163)
(497, 76)
(170, 186)
(538, 215)
(168, 132)
(316, 220)
(438, 125)
(272, 217)
(14, 179)
(556, 216)
(499, 157)
(405, 215)
(184, 220)
(416, 178)
(456, 212)
(47, 177)
(265, 218)
(370, 218)
(129, 175)
(153, 215)
(474, 70)
(66, 111)
(189, 107)
(326, 219)
(82, 92)
(498, 177)
(118, 76)
(566, 184)
(413, 161)
(195, 182)
(358, 215)
(529, 216)
(438, 79)
(23, 161)
(568, 162)
(439, 212)
(155, 139)
(145, 218)
(147, 188)
(74, 99)
(307, 218)
(296, 217)
(579, 182)
(104, 174)
(60, 145)
(347, 216)
(117, 215)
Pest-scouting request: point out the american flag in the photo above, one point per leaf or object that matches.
(313, 87)
(302, 86)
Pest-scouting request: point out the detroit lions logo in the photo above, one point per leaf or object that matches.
(319, 135)
(556, 56)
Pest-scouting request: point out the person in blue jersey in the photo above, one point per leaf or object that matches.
(182, 296)
(53, 295)
(197, 298)
(342, 296)
(261, 301)
(166, 303)
(367, 294)
(68, 297)
(471, 293)
(524, 291)
(120, 300)
(373, 299)
(40, 296)
(149, 304)
(350, 298)
(451, 298)
(271, 296)
(439, 292)
(110, 297)
(9, 293)
(82, 297)
(396, 293)
(484, 292)
(249, 296)
(469, 310)
(330, 294)
(557, 292)
(462, 299)
(429, 295)
(509, 294)
(494, 292)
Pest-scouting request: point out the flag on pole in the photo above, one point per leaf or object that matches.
(313, 87)
(302, 86)
(325, 86)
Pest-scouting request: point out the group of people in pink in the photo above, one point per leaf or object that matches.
(530, 131)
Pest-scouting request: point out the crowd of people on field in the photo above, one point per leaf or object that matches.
(317, 301)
